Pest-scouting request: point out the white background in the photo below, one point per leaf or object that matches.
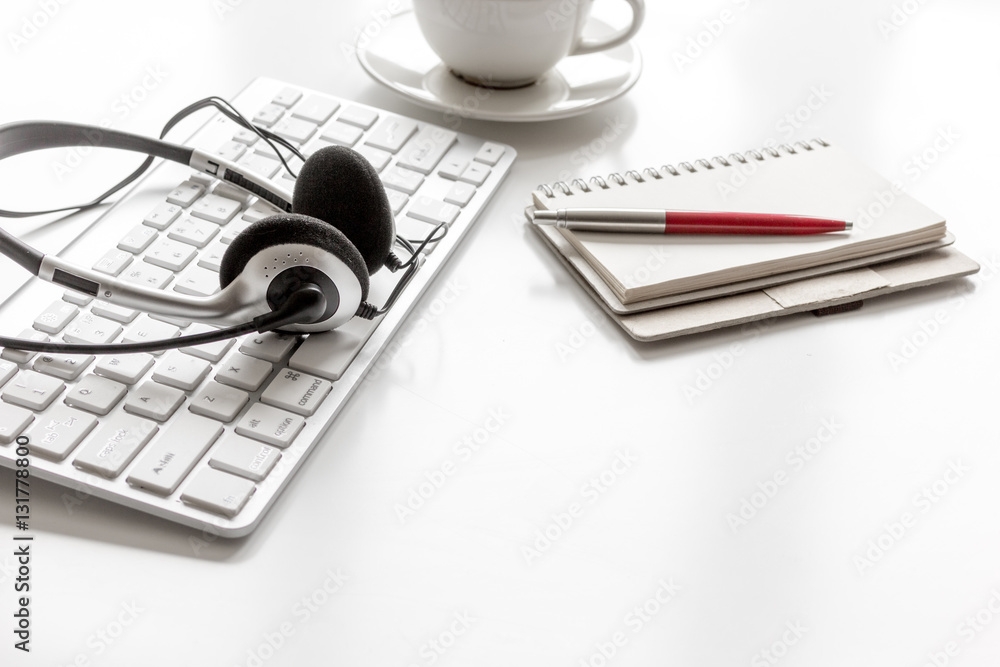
(518, 338)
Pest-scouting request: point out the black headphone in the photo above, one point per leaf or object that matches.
(304, 270)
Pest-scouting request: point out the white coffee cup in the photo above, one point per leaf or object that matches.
(511, 43)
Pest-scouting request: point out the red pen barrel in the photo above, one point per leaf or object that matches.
(719, 222)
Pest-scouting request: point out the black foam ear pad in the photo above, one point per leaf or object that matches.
(339, 186)
(290, 228)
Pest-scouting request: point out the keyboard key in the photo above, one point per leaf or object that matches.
(245, 136)
(452, 169)
(170, 254)
(147, 275)
(23, 356)
(328, 354)
(355, 115)
(244, 372)
(299, 392)
(260, 164)
(295, 130)
(432, 211)
(32, 390)
(214, 208)
(231, 151)
(377, 157)
(161, 216)
(211, 257)
(115, 445)
(489, 153)
(95, 394)
(244, 457)
(391, 133)
(403, 180)
(89, 328)
(460, 193)
(147, 329)
(426, 149)
(180, 370)
(138, 239)
(218, 492)
(193, 232)
(316, 108)
(58, 431)
(259, 210)
(113, 312)
(55, 318)
(287, 97)
(184, 194)
(475, 174)
(127, 368)
(113, 262)
(397, 200)
(13, 420)
(268, 115)
(268, 346)
(270, 425)
(341, 133)
(172, 321)
(209, 351)
(154, 400)
(197, 281)
(62, 366)
(77, 298)
(167, 461)
(219, 402)
(8, 369)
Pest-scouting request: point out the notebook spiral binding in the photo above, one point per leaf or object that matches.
(581, 185)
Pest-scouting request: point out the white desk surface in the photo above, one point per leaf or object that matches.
(880, 548)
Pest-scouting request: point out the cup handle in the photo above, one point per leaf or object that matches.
(620, 37)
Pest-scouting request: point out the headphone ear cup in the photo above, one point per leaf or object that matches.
(290, 228)
(339, 186)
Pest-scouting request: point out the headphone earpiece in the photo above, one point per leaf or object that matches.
(336, 184)
(278, 254)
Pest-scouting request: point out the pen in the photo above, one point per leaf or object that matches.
(664, 221)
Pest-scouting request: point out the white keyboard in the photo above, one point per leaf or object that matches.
(209, 436)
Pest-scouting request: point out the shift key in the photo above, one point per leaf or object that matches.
(296, 392)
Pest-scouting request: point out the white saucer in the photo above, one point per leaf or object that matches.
(399, 58)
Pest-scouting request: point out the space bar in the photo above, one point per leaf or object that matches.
(329, 354)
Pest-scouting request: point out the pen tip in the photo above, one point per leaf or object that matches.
(848, 225)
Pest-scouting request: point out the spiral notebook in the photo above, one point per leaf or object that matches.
(637, 274)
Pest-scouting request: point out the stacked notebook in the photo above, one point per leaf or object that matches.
(659, 286)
